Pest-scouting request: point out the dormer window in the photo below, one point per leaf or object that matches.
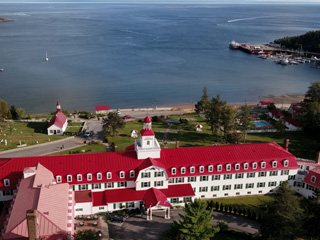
(245, 166)
(219, 168)
(191, 169)
(132, 173)
(274, 164)
(285, 163)
(122, 174)
(228, 167)
(6, 182)
(313, 179)
(109, 175)
(99, 176)
(210, 168)
(201, 169)
(254, 165)
(173, 171)
(263, 164)
(237, 166)
(79, 177)
(89, 176)
(69, 178)
(59, 179)
(183, 170)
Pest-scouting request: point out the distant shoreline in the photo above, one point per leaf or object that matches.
(2, 19)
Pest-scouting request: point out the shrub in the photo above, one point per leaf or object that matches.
(217, 206)
(223, 226)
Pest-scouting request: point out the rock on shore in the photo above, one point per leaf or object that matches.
(2, 19)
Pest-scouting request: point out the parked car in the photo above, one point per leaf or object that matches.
(88, 133)
(126, 117)
(117, 218)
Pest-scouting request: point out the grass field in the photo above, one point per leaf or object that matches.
(89, 148)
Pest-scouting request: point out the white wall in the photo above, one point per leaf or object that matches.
(83, 208)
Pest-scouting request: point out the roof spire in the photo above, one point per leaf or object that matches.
(58, 106)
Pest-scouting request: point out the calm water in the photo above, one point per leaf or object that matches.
(144, 55)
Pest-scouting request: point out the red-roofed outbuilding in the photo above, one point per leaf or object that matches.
(58, 123)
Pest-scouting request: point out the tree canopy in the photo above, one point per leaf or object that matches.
(113, 122)
(3, 109)
(202, 104)
(246, 121)
(86, 234)
(313, 94)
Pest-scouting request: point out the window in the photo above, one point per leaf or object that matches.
(251, 175)
(183, 170)
(203, 189)
(132, 173)
(237, 166)
(187, 199)
(174, 200)
(69, 178)
(249, 185)
(123, 184)
(99, 176)
(148, 142)
(109, 175)
(179, 180)
(261, 184)
(313, 179)
(204, 178)
(173, 171)
(272, 184)
(7, 192)
(158, 183)
(101, 208)
(122, 174)
(307, 168)
(89, 176)
(145, 184)
(82, 187)
(254, 165)
(260, 191)
(79, 209)
(249, 193)
(238, 186)
(215, 177)
(191, 169)
(237, 193)
(226, 187)
(145, 175)
(228, 167)
(285, 172)
(219, 168)
(131, 204)
(201, 169)
(109, 185)
(158, 174)
(58, 131)
(262, 174)
(51, 131)
(285, 163)
(273, 173)
(214, 195)
(227, 176)
(210, 168)
(6, 182)
(170, 180)
(226, 194)
(215, 188)
(79, 177)
(59, 179)
(96, 186)
(239, 175)
(274, 164)
(192, 179)
(263, 164)
(245, 166)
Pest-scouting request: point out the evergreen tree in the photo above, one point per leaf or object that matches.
(196, 224)
(246, 121)
(284, 215)
(214, 113)
(313, 94)
(310, 120)
(203, 103)
(311, 224)
(13, 112)
(113, 122)
(3, 110)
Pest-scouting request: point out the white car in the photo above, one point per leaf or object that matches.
(88, 133)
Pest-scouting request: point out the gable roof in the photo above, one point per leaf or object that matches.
(266, 102)
(102, 107)
(292, 121)
(276, 113)
(316, 173)
(147, 132)
(154, 196)
(58, 120)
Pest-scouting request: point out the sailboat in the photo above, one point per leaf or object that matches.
(47, 59)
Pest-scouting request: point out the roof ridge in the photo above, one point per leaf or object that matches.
(50, 221)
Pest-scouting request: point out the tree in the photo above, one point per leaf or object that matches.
(246, 121)
(203, 103)
(214, 113)
(195, 224)
(228, 120)
(3, 110)
(284, 215)
(312, 218)
(113, 122)
(279, 126)
(310, 121)
(86, 234)
(13, 112)
(20, 113)
(313, 94)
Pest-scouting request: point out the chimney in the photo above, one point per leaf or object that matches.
(286, 144)
(318, 158)
(177, 144)
(32, 224)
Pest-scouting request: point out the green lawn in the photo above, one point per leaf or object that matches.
(28, 133)
(89, 148)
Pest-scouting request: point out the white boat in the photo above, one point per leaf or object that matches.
(47, 59)
(234, 45)
(1, 69)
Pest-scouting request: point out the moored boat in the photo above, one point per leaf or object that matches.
(234, 45)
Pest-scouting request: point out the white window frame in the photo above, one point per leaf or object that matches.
(254, 165)
(245, 166)
(109, 175)
(69, 178)
(313, 179)
(132, 173)
(219, 168)
(263, 164)
(274, 164)
(6, 182)
(59, 179)
(286, 163)
(192, 169)
(89, 176)
(183, 170)
(173, 171)
(121, 174)
(210, 168)
(237, 166)
(79, 177)
(228, 167)
(99, 176)
(201, 169)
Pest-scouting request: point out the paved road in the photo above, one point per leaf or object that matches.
(140, 229)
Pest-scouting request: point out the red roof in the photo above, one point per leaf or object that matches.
(115, 162)
(147, 132)
(147, 120)
(154, 196)
(292, 121)
(276, 113)
(308, 163)
(102, 108)
(298, 108)
(150, 162)
(266, 102)
(83, 196)
(130, 194)
(316, 173)
(58, 120)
